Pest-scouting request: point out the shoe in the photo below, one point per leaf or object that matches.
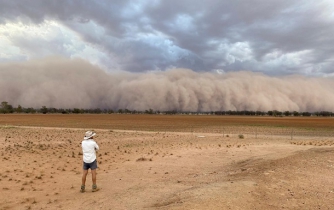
(95, 188)
(82, 188)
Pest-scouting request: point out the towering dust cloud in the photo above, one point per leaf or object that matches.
(62, 83)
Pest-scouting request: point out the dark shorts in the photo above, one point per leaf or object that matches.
(91, 166)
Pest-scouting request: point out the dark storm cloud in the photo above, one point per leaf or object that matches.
(275, 37)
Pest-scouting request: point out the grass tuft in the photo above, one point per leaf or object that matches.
(141, 159)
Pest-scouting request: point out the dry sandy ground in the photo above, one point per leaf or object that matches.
(41, 169)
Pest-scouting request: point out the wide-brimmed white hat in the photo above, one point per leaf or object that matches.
(89, 134)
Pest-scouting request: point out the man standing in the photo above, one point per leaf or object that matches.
(89, 148)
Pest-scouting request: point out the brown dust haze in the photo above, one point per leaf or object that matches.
(74, 83)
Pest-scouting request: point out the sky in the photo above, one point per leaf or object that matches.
(275, 42)
(274, 37)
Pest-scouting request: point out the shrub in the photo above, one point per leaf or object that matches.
(142, 159)
(241, 136)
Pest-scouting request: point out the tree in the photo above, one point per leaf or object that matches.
(6, 108)
(306, 114)
(4, 104)
(295, 113)
(52, 110)
(10, 108)
(150, 111)
(44, 110)
(30, 110)
(19, 109)
(76, 111)
(277, 113)
(97, 111)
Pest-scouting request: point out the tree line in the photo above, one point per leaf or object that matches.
(6, 108)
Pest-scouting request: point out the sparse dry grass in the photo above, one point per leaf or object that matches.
(46, 162)
(313, 142)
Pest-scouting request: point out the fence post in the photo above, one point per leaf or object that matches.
(291, 134)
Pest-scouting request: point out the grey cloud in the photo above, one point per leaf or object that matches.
(62, 83)
(187, 27)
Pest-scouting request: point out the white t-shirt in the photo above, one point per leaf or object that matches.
(89, 147)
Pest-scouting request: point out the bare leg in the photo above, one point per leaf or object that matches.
(94, 176)
(84, 175)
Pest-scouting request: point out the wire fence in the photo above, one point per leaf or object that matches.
(269, 132)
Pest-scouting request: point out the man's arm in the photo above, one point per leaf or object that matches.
(96, 147)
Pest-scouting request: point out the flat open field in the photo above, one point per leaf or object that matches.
(168, 162)
(162, 122)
